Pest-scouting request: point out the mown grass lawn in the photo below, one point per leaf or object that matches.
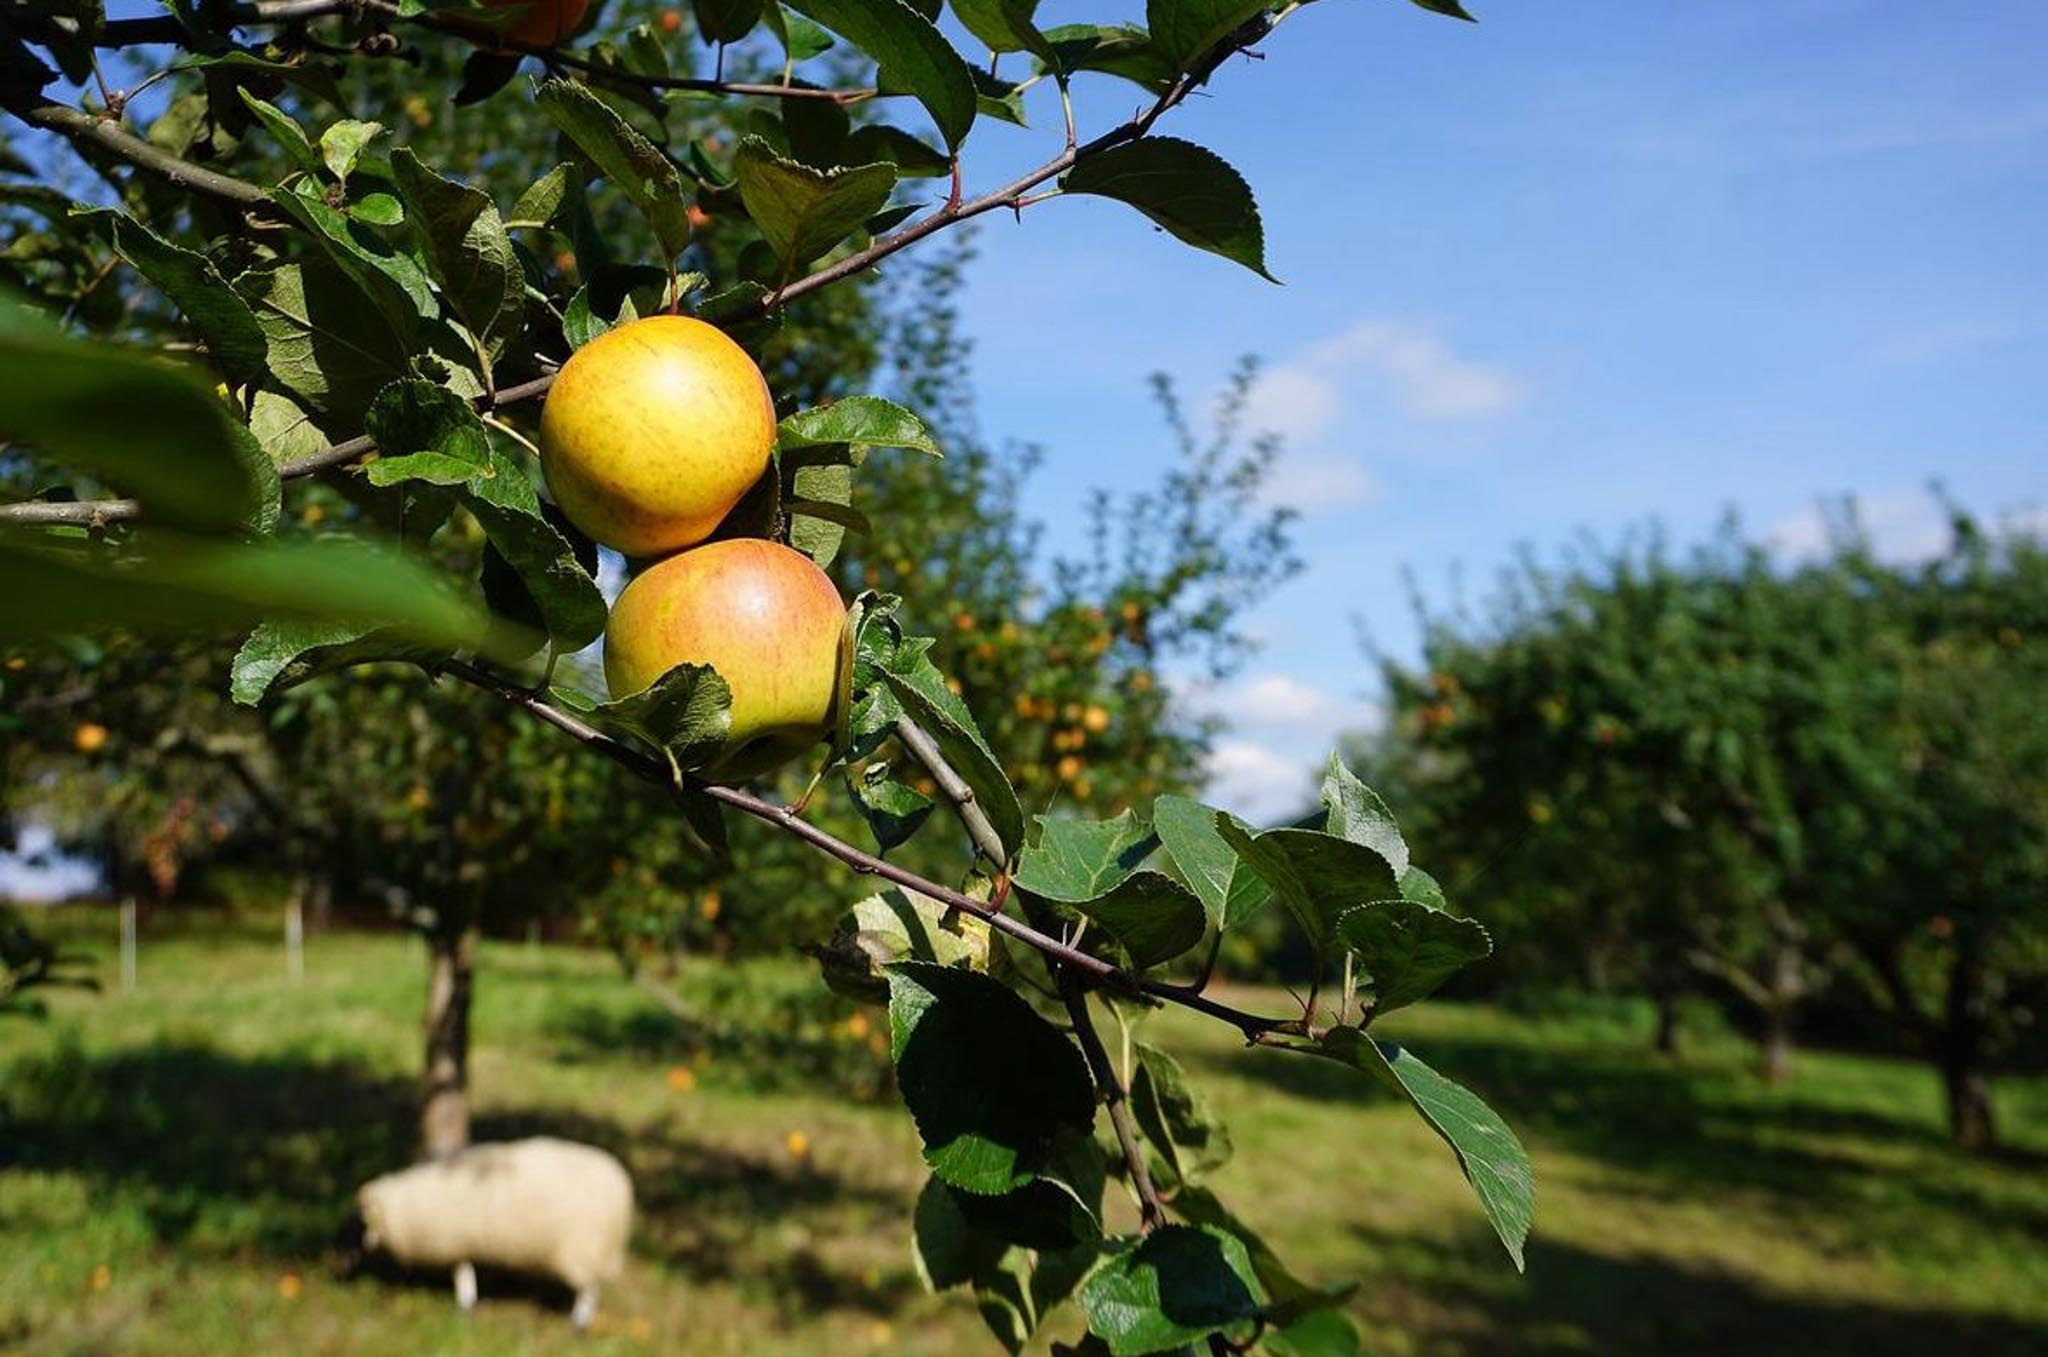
(174, 1161)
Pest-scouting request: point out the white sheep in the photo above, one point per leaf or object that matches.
(543, 1206)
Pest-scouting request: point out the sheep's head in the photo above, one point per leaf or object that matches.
(359, 1235)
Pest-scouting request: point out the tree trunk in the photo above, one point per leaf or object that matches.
(444, 1087)
(1970, 1122)
(1667, 1022)
(1777, 1044)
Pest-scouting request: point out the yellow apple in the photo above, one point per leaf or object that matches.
(764, 616)
(653, 431)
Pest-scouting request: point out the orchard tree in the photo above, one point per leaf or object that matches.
(1764, 775)
(365, 321)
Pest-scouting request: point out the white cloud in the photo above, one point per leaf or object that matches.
(1316, 401)
(1259, 783)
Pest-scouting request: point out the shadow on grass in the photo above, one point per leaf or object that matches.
(1692, 1129)
(1574, 1301)
(229, 1156)
(784, 1055)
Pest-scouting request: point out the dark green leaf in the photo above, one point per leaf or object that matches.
(1184, 30)
(633, 164)
(1287, 1294)
(1494, 1161)
(543, 199)
(234, 341)
(898, 925)
(1421, 887)
(467, 250)
(684, 714)
(864, 421)
(1449, 8)
(910, 51)
(1189, 191)
(726, 20)
(292, 137)
(141, 426)
(917, 685)
(874, 143)
(820, 508)
(1229, 889)
(484, 73)
(1316, 875)
(800, 38)
(1354, 811)
(330, 352)
(376, 209)
(1025, 1286)
(1178, 1122)
(989, 1125)
(949, 1251)
(394, 282)
(606, 300)
(1175, 1286)
(1150, 915)
(1004, 25)
(803, 212)
(1408, 949)
(281, 655)
(1319, 1333)
(313, 77)
(997, 98)
(894, 810)
(1114, 49)
(1076, 860)
(1061, 1208)
(165, 582)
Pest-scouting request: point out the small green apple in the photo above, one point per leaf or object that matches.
(653, 431)
(764, 616)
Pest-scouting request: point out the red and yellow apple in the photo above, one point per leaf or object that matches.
(546, 23)
(653, 431)
(764, 616)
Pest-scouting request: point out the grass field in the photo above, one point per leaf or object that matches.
(174, 1161)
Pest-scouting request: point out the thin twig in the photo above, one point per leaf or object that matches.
(1255, 1027)
(108, 134)
(1116, 1101)
(922, 748)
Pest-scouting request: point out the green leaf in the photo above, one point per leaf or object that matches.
(1448, 8)
(1494, 1161)
(1228, 888)
(726, 20)
(803, 212)
(1315, 875)
(989, 1125)
(1174, 1287)
(1421, 887)
(917, 685)
(893, 810)
(467, 250)
(327, 350)
(314, 77)
(873, 143)
(1076, 860)
(800, 38)
(1354, 811)
(292, 137)
(820, 508)
(1059, 1209)
(863, 421)
(1177, 1121)
(898, 925)
(1004, 25)
(1288, 1295)
(997, 98)
(949, 1251)
(1408, 949)
(683, 715)
(606, 300)
(1024, 1288)
(911, 53)
(432, 435)
(1319, 1333)
(1190, 192)
(145, 428)
(342, 145)
(281, 655)
(165, 582)
(395, 282)
(376, 209)
(543, 198)
(634, 165)
(1184, 30)
(233, 339)
(1114, 49)
(1091, 866)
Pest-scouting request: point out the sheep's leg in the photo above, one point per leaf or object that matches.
(465, 1286)
(585, 1308)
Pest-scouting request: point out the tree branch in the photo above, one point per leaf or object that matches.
(955, 788)
(646, 766)
(1116, 1100)
(1009, 195)
(107, 133)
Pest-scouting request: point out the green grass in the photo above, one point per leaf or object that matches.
(170, 1156)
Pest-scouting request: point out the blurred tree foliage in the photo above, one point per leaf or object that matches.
(1710, 767)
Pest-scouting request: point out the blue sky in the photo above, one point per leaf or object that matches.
(1582, 265)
